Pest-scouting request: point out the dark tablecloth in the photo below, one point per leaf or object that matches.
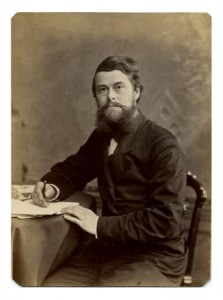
(39, 245)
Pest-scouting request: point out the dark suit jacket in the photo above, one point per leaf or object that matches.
(142, 186)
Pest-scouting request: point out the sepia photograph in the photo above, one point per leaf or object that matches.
(111, 149)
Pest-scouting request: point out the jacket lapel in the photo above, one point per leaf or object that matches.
(119, 163)
(116, 165)
(107, 174)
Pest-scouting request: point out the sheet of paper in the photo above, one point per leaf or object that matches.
(28, 208)
(25, 216)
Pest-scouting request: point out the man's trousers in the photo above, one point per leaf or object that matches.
(97, 264)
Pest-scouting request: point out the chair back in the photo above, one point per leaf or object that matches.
(200, 198)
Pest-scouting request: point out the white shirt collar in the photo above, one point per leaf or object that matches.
(112, 147)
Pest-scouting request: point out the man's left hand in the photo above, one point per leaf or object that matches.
(83, 217)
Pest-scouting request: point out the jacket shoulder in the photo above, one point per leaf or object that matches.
(153, 139)
(157, 134)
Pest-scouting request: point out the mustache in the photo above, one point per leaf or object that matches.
(113, 104)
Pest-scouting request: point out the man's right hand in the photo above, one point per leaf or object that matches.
(41, 197)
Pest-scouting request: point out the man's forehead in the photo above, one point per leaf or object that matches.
(110, 77)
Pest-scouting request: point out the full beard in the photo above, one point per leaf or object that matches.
(116, 123)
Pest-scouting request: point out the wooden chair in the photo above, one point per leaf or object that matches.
(200, 198)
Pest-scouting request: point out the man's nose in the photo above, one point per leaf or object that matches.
(111, 94)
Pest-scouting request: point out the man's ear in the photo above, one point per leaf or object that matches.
(136, 94)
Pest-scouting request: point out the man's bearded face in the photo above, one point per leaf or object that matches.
(116, 100)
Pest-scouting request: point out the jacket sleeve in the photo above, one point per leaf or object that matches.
(161, 220)
(75, 171)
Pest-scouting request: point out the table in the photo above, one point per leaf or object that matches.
(39, 245)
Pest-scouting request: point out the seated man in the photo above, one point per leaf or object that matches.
(137, 241)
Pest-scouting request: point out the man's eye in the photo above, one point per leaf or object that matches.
(119, 87)
(101, 90)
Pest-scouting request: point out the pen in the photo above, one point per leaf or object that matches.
(44, 193)
(44, 188)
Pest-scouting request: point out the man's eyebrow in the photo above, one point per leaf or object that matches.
(105, 85)
(119, 82)
(101, 85)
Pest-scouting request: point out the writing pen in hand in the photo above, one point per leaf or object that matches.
(44, 203)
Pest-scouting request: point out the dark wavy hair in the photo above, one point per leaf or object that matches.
(127, 65)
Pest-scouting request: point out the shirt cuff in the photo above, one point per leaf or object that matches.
(56, 193)
(96, 234)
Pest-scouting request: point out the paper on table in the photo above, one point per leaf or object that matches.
(28, 208)
(25, 216)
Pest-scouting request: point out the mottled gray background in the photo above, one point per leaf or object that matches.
(54, 56)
